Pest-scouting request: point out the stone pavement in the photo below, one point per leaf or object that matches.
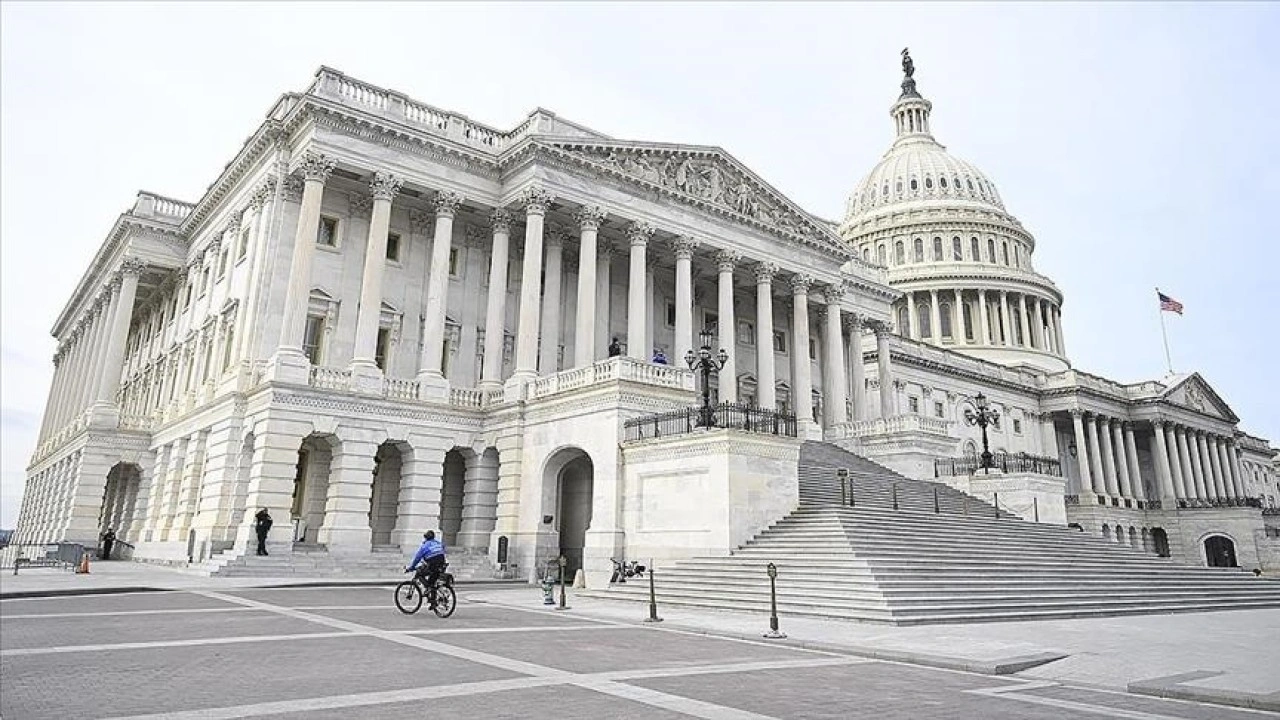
(346, 652)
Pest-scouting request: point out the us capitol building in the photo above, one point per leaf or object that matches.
(383, 317)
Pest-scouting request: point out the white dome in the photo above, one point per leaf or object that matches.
(921, 172)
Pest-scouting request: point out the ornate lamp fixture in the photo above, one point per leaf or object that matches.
(985, 415)
(704, 363)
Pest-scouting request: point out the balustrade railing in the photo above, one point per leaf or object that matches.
(330, 378)
(733, 416)
(467, 397)
(400, 389)
(615, 368)
(1211, 503)
(897, 423)
(1004, 462)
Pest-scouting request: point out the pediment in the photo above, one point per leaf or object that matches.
(711, 178)
(1193, 392)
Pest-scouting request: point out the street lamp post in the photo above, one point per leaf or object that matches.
(704, 363)
(985, 415)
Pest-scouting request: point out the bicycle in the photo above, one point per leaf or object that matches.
(409, 594)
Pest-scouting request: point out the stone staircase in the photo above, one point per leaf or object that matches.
(315, 561)
(914, 565)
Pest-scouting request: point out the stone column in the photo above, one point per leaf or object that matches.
(496, 303)
(1131, 455)
(248, 314)
(884, 368)
(766, 382)
(46, 419)
(1108, 456)
(1163, 474)
(638, 235)
(802, 390)
(1082, 451)
(364, 360)
(833, 377)
(913, 324)
(984, 316)
(421, 487)
(725, 261)
(1057, 332)
(106, 320)
(1206, 466)
(535, 201)
(935, 319)
(84, 379)
(957, 321)
(1204, 490)
(684, 337)
(1005, 326)
(1121, 459)
(1237, 473)
(1037, 325)
(346, 511)
(857, 372)
(1181, 485)
(430, 368)
(1100, 484)
(1220, 468)
(549, 348)
(1023, 325)
(315, 171)
(1213, 466)
(604, 264)
(114, 364)
(584, 335)
(480, 495)
(1184, 461)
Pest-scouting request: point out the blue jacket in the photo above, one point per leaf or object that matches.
(428, 550)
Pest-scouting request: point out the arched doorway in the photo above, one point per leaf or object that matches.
(568, 485)
(310, 488)
(1160, 542)
(1220, 551)
(384, 499)
(451, 493)
(119, 501)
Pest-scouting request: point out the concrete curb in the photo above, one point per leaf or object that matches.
(123, 589)
(1171, 686)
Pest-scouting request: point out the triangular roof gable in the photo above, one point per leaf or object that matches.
(708, 177)
(1193, 391)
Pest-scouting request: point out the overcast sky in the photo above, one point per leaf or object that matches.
(1136, 142)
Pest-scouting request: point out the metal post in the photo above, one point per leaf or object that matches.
(773, 604)
(1035, 508)
(895, 496)
(997, 504)
(653, 598)
(936, 510)
(563, 563)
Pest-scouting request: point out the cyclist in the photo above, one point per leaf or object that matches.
(429, 562)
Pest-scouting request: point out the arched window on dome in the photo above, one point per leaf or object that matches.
(1006, 252)
(928, 183)
(937, 249)
(1017, 255)
(882, 257)
(970, 182)
(974, 250)
(899, 253)
(957, 249)
(944, 320)
(991, 251)
(904, 323)
(919, 250)
(966, 316)
(914, 185)
(923, 321)
(943, 182)
(885, 190)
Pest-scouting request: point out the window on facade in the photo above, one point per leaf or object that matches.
(186, 300)
(205, 280)
(453, 262)
(899, 253)
(327, 234)
(937, 404)
(919, 250)
(970, 183)
(957, 249)
(914, 185)
(896, 186)
(967, 315)
(925, 322)
(866, 254)
(227, 346)
(813, 349)
(991, 251)
(913, 403)
(937, 249)
(974, 251)
(904, 322)
(671, 314)
(928, 183)
(381, 347)
(943, 183)
(746, 333)
(779, 341)
(242, 248)
(312, 338)
(1006, 253)
(882, 257)
(1017, 426)
(944, 319)
(222, 262)
(393, 247)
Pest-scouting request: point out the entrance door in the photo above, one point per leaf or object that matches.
(574, 512)
(1219, 551)
(1160, 542)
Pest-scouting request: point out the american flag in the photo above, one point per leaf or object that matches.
(1169, 304)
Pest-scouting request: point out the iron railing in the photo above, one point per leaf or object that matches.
(735, 416)
(1207, 503)
(1004, 462)
(33, 555)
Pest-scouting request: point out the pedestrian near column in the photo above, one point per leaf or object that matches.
(108, 541)
(262, 523)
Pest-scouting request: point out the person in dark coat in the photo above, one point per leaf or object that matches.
(108, 540)
(262, 525)
(615, 348)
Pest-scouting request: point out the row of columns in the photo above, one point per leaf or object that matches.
(1039, 321)
(1108, 456)
(1195, 465)
(46, 501)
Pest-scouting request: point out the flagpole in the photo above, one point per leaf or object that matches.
(1164, 333)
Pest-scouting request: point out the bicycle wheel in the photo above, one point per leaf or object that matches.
(408, 597)
(446, 601)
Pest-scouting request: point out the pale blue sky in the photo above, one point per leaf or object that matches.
(1137, 142)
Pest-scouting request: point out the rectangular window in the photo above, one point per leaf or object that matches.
(205, 280)
(671, 314)
(453, 262)
(779, 341)
(327, 234)
(186, 300)
(1017, 426)
(813, 349)
(230, 345)
(393, 247)
(222, 263)
(746, 333)
(914, 403)
(243, 248)
(937, 408)
(380, 350)
(312, 338)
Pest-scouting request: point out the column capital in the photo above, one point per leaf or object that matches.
(555, 237)
(726, 260)
(684, 246)
(385, 186)
(853, 322)
(262, 192)
(500, 220)
(881, 328)
(1158, 422)
(233, 225)
(800, 284)
(765, 272)
(535, 200)
(1076, 412)
(446, 203)
(589, 217)
(638, 233)
(132, 266)
(316, 166)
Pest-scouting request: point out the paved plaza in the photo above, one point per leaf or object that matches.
(339, 652)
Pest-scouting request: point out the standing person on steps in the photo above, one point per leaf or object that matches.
(262, 523)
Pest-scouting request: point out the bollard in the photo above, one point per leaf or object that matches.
(996, 503)
(936, 510)
(563, 563)
(773, 633)
(548, 587)
(1035, 508)
(653, 598)
(895, 496)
